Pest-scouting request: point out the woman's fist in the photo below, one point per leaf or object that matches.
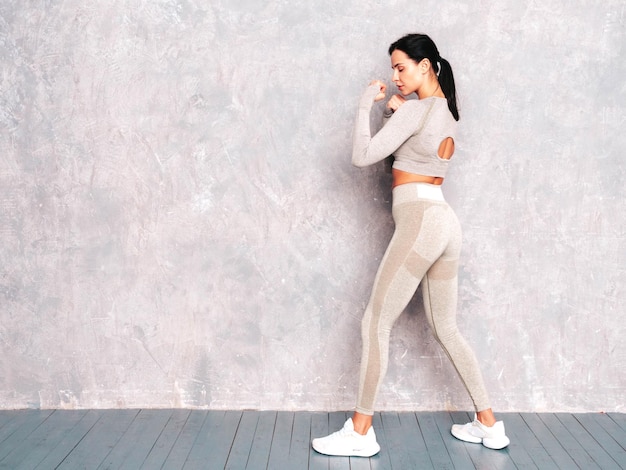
(395, 102)
(383, 88)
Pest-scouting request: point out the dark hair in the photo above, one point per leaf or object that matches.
(419, 47)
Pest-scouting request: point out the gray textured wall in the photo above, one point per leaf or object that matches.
(181, 225)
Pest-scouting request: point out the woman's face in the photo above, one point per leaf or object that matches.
(408, 75)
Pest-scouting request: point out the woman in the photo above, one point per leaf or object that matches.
(426, 243)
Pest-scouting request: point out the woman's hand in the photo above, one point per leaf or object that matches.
(383, 88)
(395, 102)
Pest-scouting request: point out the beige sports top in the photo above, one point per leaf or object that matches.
(412, 135)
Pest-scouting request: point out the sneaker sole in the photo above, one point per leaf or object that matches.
(356, 453)
(466, 437)
(496, 444)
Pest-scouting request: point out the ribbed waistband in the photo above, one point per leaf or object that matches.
(414, 191)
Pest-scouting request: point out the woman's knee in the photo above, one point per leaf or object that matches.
(447, 335)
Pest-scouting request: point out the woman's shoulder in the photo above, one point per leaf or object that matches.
(416, 107)
(439, 107)
(425, 103)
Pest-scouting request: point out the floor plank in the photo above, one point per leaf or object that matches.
(568, 445)
(34, 448)
(619, 419)
(136, 443)
(262, 442)
(587, 442)
(252, 440)
(279, 452)
(614, 453)
(319, 428)
(6, 417)
(534, 446)
(19, 428)
(407, 448)
(525, 449)
(556, 457)
(382, 461)
(72, 435)
(614, 430)
(434, 441)
(185, 440)
(166, 440)
(101, 438)
(455, 448)
(300, 441)
(214, 441)
(242, 444)
(336, 420)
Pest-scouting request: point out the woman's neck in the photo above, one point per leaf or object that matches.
(433, 88)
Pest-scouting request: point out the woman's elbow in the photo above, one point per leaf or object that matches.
(358, 163)
(359, 160)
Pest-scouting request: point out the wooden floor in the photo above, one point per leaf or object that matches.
(200, 439)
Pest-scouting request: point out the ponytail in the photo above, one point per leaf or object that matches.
(420, 46)
(446, 80)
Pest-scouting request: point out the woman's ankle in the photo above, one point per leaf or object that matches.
(362, 423)
(486, 417)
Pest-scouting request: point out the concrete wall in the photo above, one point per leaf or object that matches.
(181, 225)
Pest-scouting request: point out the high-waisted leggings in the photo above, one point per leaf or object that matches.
(425, 248)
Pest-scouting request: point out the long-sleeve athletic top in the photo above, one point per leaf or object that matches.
(412, 134)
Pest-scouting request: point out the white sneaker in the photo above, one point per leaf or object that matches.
(348, 443)
(492, 437)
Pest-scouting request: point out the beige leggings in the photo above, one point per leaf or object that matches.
(425, 248)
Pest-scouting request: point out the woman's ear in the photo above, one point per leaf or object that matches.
(425, 65)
